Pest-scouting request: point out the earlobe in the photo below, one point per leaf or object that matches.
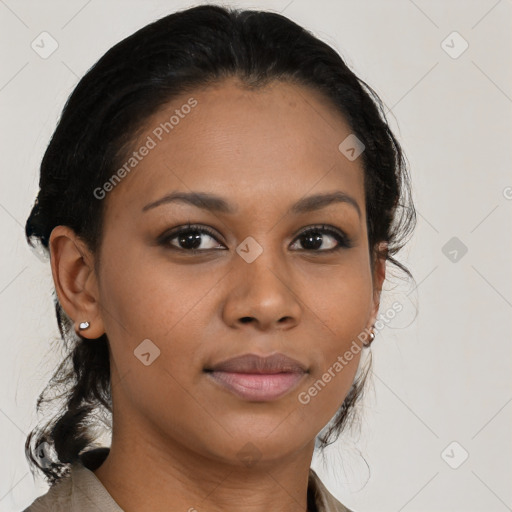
(75, 281)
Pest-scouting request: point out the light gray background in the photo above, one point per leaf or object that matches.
(439, 377)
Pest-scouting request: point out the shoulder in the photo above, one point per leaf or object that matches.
(324, 500)
(57, 499)
(79, 490)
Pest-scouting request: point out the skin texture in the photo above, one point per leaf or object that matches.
(177, 436)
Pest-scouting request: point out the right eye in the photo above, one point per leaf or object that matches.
(189, 238)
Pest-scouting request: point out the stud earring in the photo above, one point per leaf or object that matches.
(372, 337)
(84, 325)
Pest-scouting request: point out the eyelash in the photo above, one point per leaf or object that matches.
(343, 241)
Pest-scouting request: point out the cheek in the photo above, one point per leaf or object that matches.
(340, 300)
(149, 302)
(164, 304)
(339, 312)
(152, 299)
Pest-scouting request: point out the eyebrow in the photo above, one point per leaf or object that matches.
(215, 203)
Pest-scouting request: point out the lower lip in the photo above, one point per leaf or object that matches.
(258, 387)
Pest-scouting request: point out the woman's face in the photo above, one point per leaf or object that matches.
(253, 286)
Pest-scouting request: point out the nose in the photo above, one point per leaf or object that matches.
(262, 294)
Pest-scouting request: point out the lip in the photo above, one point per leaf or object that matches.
(253, 363)
(256, 378)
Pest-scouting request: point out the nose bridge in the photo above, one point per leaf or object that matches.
(262, 259)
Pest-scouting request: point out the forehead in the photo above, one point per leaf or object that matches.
(251, 145)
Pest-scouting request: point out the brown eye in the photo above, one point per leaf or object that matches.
(313, 238)
(191, 239)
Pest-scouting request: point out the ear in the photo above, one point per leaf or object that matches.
(378, 277)
(75, 280)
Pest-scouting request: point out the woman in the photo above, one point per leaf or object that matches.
(219, 200)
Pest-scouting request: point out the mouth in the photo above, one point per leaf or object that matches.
(255, 378)
(259, 387)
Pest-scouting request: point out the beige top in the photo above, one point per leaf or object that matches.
(82, 491)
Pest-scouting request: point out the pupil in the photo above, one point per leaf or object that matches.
(195, 239)
(312, 241)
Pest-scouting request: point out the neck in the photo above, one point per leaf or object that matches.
(141, 476)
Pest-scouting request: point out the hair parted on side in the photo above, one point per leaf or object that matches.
(179, 53)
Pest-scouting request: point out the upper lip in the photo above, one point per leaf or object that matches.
(253, 363)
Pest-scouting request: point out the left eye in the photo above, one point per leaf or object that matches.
(314, 237)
